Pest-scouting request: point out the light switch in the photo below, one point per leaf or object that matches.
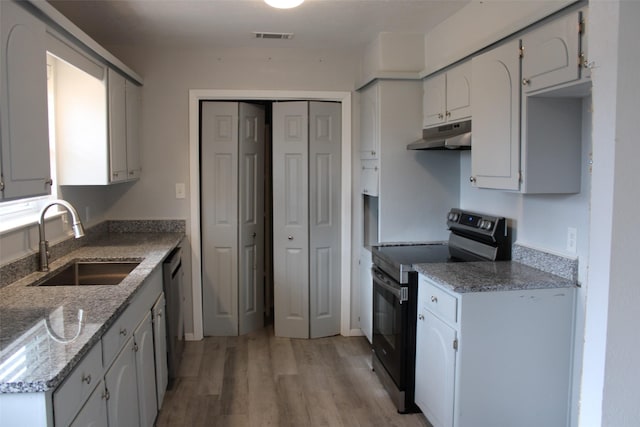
(180, 190)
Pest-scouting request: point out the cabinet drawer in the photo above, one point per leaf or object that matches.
(71, 395)
(118, 334)
(440, 303)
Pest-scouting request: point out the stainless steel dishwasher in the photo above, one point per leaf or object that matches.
(173, 290)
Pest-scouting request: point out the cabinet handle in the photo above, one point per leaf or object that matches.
(448, 113)
(373, 153)
(440, 116)
(132, 173)
(48, 182)
(434, 299)
(472, 179)
(106, 395)
(123, 332)
(86, 379)
(420, 316)
(525, 82)
(135, 347)
(290, 237)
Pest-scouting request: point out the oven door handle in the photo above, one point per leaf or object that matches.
(402, 292)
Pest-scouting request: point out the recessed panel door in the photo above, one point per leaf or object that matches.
(219, 205)
(324, 218)
(291, 219)
(251, 209)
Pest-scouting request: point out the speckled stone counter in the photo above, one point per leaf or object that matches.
(50, 328)
(464, 277)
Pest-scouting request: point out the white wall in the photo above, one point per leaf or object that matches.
(168, 77)
(611, 383)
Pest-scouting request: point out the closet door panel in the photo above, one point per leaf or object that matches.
(219, 204)
(324, 217)
(291, 219)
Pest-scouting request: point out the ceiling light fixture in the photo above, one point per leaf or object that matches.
(284, 4)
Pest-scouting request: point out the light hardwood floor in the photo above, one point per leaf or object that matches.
(261, 380)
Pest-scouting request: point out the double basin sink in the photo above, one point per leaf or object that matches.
(83, 273)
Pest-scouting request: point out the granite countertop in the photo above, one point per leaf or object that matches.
(39, 326)
(464, 277)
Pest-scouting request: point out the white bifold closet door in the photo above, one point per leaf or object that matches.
(306, 218)
(232, 205)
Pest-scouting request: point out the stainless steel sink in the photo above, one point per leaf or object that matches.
(83, 273)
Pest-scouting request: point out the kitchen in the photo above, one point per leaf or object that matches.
(169, 74)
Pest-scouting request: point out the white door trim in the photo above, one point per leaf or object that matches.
(197, 95)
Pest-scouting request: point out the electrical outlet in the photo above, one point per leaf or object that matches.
(572, 239)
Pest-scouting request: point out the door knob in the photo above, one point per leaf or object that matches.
(290, 237)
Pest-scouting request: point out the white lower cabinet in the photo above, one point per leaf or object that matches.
(435, 369)
(94, 412)
(74, 391)
(122, 390)
(160, 344)
(122, 380)
(146, 372)
(499, 358)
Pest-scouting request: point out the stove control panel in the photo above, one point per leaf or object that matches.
(477, 223)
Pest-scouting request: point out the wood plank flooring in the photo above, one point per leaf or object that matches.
(261, 380)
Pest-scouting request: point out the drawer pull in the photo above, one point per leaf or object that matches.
(420, 316)
(123, 332)
(106, 395)
(86, 379)
(434, 299)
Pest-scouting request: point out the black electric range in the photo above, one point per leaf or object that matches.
(473, 237)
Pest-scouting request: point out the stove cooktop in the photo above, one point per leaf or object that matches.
(415, 254)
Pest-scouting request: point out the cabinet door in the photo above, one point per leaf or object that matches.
(117, 127)
(94, 412)
(146, 372)
(434, 100)
(369, 122)
(160, 344)
(369, 177)
(120, 380)
(435, 368)
(133, 102)
(551, 54)
(24, 134)
(459, 92)
(495, 158)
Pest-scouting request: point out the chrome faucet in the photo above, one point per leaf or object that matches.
(78, 230)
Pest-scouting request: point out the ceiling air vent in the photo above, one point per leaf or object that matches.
(275, 36)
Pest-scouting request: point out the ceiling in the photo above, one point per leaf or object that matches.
(330, 24)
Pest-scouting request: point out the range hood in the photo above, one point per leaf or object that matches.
(454, 136)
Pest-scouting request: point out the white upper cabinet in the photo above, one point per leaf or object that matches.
(447, 96)
(103, 147)
(133, 101)
(117, 127)
(369, 122)
(527, 118)
(552, 54)
(495, 156)
(124, 128)
(24, 148)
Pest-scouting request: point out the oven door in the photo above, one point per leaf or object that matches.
(390, 322)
